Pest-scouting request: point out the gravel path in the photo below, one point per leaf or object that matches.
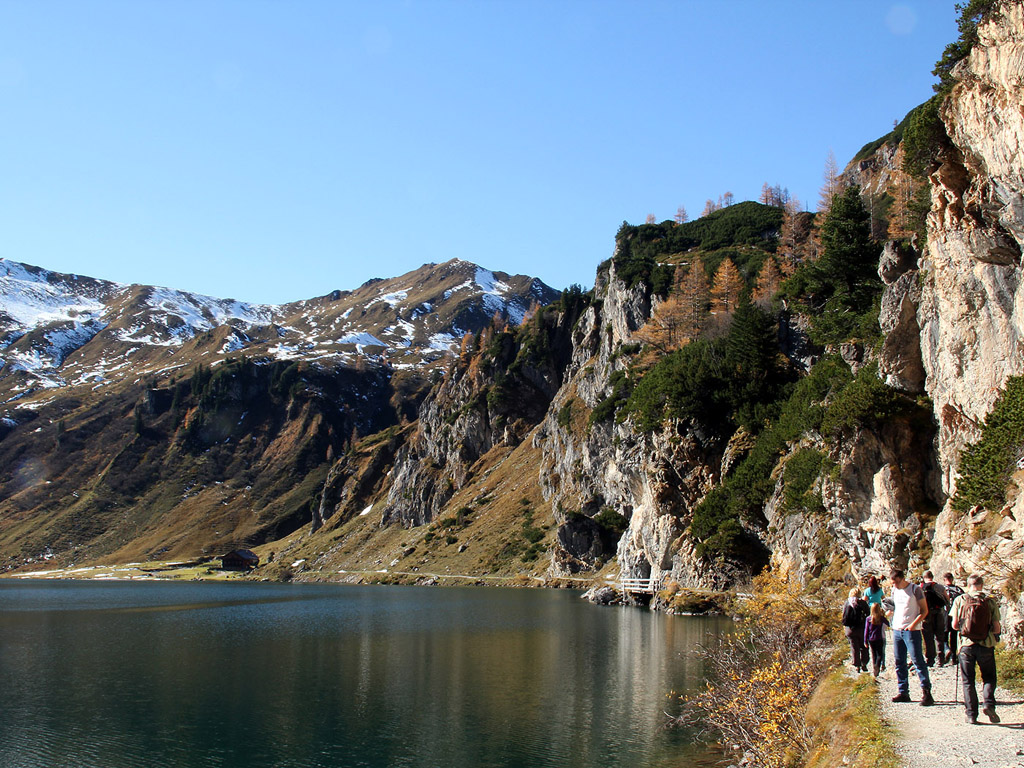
(939, 737)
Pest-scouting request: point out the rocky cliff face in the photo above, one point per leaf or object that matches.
(495, 394)
(971, 310)
(588, 466)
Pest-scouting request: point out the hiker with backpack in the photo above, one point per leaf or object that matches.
(976, 618)
(874, 637)
(855, 613)
(933, 630)
(952, 592)
(910, 609)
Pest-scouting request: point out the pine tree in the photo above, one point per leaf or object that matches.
(709, 208)
(681, 216)
(843, 283)
(651, 219)
(752, 358)
(466, 348)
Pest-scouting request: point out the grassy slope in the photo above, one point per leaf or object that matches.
(503, 494)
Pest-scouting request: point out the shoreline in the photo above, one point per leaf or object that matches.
(192, 570)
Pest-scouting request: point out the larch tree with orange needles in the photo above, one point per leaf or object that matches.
(726, 288)
(768, 281)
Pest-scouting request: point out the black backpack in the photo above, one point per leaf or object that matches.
(855, 615)
(932, 596)
(976, 617)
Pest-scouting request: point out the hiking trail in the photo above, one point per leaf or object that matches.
(939, 736)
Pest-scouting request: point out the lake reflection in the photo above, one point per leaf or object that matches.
(323, 675)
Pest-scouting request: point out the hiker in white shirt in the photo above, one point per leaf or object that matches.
(909, 612)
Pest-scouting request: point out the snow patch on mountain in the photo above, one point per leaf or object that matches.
(442, 342)
(31, 298)
(362, 339)
(203, 313)
(397, 297)
(487, 283)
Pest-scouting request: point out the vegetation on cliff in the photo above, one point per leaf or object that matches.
(987, 465)
(735, 375)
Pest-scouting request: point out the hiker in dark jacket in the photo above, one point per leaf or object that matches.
(933, 630)
(855, 612)
(874, 636)
(952, 592)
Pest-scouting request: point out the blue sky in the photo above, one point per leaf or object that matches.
(273, 151)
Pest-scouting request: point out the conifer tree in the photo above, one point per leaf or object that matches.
(752, 358)
(901, 219)
(681, 216)
(466, 348)
(842, 285)
(695, 296)
(667, 328)
(848, 265)
(709, 207)
(768, 281)
(830, 187)
(726, 288)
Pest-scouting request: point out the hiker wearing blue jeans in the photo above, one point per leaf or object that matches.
(909, 611)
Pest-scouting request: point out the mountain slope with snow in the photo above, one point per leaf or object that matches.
(59, 330)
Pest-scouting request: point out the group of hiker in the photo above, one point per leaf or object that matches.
(932, 624)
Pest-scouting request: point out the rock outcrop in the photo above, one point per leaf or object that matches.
(971, 311)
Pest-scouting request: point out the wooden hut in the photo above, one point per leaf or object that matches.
(239, 560)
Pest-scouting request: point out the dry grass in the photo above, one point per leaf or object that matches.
(762, 676)
(846, 725)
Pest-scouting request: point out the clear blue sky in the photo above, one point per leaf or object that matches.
(273, 151)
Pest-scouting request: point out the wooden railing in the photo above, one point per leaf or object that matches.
(638, 586)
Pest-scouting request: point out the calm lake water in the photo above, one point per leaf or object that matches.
(168, 674)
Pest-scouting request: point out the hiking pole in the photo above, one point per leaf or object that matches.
(956, 683)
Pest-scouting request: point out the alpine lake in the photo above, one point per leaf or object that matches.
(118, 674)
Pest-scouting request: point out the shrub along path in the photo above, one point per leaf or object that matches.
(939, 736)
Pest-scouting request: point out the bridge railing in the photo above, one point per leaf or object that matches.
(639, 586)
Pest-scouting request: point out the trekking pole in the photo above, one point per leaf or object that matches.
(956, 683)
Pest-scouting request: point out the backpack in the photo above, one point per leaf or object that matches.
(854, 615)
(975, 617)
(932, 596)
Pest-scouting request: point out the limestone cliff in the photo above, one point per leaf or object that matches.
(971, 311)
(588, 466)
(497, 391)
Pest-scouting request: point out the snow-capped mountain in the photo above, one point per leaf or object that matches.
(59, 330)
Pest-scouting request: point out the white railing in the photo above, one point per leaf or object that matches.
(638, 586)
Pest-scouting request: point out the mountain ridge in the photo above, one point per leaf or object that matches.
(48, 320)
